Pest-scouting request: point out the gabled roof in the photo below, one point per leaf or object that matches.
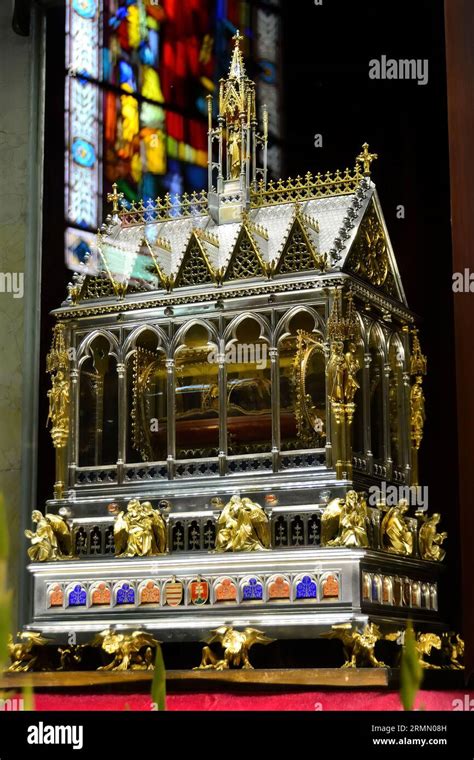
(286, 233)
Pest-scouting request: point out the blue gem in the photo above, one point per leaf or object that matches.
(253, 590)
(306, 588)
(77, 597)
(125, 595)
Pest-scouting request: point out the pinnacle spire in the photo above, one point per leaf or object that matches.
(237, 65)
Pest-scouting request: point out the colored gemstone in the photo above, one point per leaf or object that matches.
(78, 597)
(126, 594)
(306, 588)
(279, 588)
(330, 587)
(101, 594)
(252, 591)
(150, 593)
(226, 591)
(56, 596)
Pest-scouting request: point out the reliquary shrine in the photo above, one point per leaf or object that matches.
(229, 385)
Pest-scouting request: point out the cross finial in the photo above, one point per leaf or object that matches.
(366, 158)
(237, 37)
(115, 197)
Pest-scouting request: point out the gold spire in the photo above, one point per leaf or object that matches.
(343, 328)
(237, 66)
(418, 362)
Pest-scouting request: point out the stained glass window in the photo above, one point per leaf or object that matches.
(138, 73)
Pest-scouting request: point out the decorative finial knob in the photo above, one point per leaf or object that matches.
(366, 158)
(115, 197)
(238, 38)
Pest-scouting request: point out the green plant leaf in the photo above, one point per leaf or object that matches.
(5, 628)
(28, 698)
(158, 686)
(411, 670)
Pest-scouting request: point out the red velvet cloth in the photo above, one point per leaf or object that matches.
(307, 701)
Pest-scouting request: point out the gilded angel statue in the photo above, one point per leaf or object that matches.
(52, 539)
(396, 536)
(430, 540)
(242, 526)
(353, 521)
(140, 531)
(131, 651)
(236, 646)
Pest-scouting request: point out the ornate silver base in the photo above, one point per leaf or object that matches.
(288, 593)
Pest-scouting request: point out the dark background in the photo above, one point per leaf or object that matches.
(327, 90)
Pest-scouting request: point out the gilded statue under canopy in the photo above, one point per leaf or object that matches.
(396, 536)
(350, 516)
(140, 531)
(242, 526)
(429, 540)
(57, 364)
(52, 539)
(418, 415)
(58, 415)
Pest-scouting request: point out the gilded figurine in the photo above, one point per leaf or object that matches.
(236, 646)
(453, 650)
(70, 657)
(418, 416)
(242, 526)
(140, 531)
(131, 651)
(359, 646)
(336, 372)
(351, 386)
(330, 520)
(353, 522)
(396, 536)
(424, 643)
(429, 540)
(235, 153)
(52, 539)
(27, 653)
(59, 408)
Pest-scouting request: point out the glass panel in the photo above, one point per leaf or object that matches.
(376, 396)
(395, 396)
(302, 387)
(98, 407)
(148, 394)
(197, 396)
(249, 393)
